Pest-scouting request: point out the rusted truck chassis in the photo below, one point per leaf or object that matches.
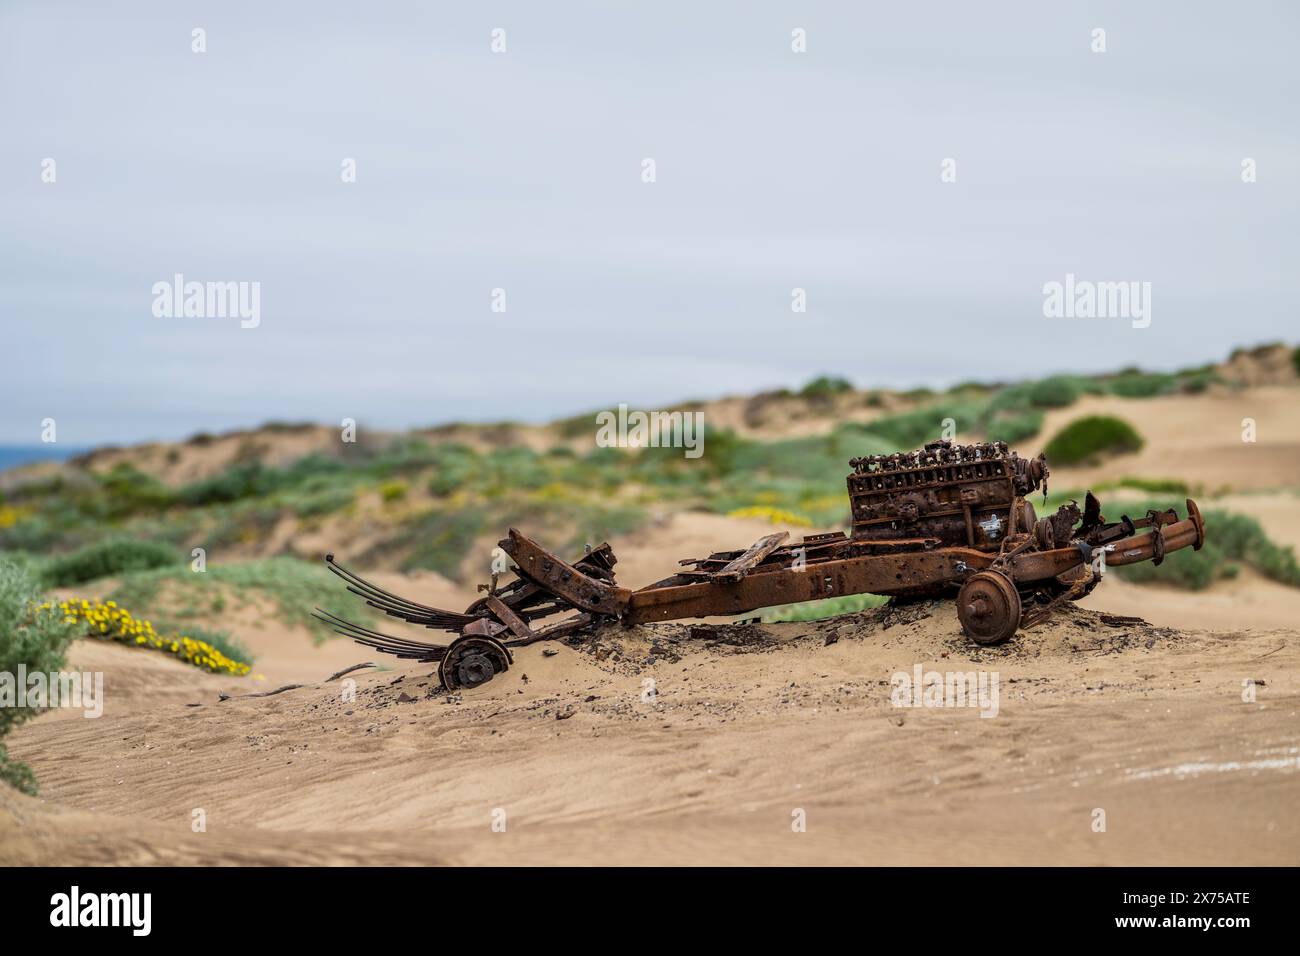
(946, 519)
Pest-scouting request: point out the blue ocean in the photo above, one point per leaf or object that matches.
(13, 455)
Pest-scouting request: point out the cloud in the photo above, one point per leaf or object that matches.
(521, 171)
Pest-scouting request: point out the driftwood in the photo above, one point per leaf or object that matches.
(263, 693)
(286, 687)
(347, 670)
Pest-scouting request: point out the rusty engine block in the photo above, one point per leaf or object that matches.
(944, 519)
(968, 495)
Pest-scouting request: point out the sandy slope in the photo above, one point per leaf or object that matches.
(1278, 512)
(1247, 602)
(749, 724)
(1194, 438)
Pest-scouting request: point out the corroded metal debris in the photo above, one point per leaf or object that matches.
(946, 519)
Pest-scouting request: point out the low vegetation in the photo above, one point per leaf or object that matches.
(104, 558)
(292, 586)
(33, 637)
(428, 502)
(1056, 392)
(826, 386)
(820, 610)
(1092, 438)
(107, 621)
(439, 498)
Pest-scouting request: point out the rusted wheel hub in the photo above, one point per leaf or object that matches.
(472, 661)
(988, 607)
(1194, 513)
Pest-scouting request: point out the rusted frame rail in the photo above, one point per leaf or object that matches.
(888, 573)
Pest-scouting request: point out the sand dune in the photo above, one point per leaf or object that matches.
(748, 726)
(1194, 438)
(1247, 602)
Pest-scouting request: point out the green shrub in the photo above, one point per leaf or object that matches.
(240, 523)
(314, 469)
(578, 426)
(1142, 384)
(594, 525)
(105, 558)
(908, 430)
(1152, 486)
(825, 386)
(1194, 383)
(505, 470)
(1242, 538)
(38, 532)
(404, 456)
(440, 540)
(32, 637)
(1092, 437)
(236, 482)
(1295, 358)
(392, 490)
(1056, 392)
(810, 459)
(1015, 428)
(820, 610)
(721, 451)
(1013, 398)
(974, 385)
(130, 490)
(313, 503)
(454, 467)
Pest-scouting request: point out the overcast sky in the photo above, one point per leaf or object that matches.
(522, 170)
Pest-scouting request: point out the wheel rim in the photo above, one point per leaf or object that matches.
(474, 669)
(472, 661)
(988, 607)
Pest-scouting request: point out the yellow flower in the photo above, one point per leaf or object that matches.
(116, 623)
(774, 515)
